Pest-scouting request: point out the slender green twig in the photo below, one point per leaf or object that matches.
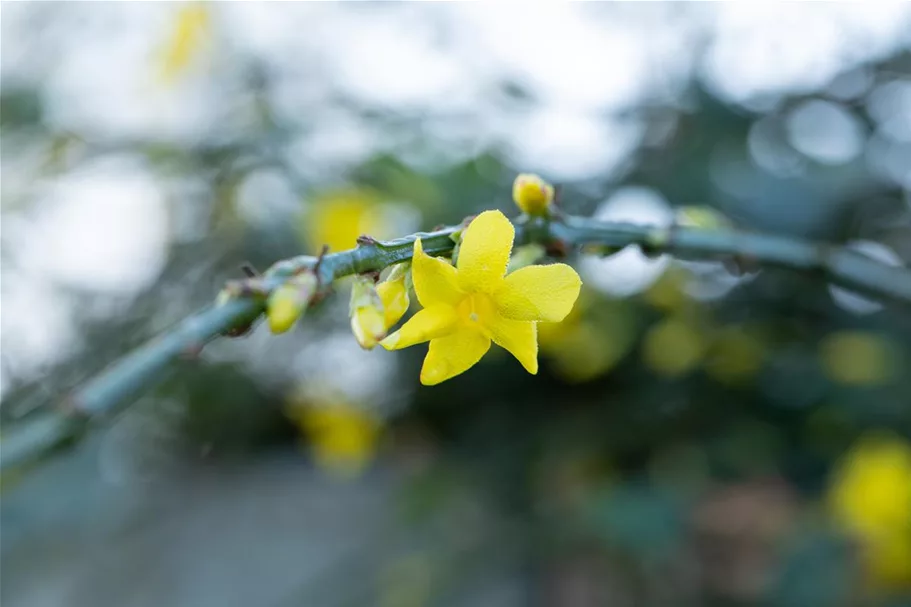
(839, 264)
(114, 387)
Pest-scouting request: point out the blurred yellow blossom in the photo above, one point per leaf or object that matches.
(673, 347)
(857, 358)
(407, 581)
(342, 437)
(192, 32)
(735, 355)
(468, 306)
(667, 293)
(870, 496)
(336, 218)
(591, 340)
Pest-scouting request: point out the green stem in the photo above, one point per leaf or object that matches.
(840, 265)
(115, 386)
(124, 379)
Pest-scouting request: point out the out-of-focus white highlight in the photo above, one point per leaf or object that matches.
(103, 228)
(629, 271)
(852, 301)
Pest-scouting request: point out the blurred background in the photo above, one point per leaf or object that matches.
(694, 437)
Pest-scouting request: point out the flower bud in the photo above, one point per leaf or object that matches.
(290, 300)
(532, 194)
(393, 293)
(368, 319)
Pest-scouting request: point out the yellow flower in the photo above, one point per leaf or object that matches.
(532, 194)
(393, 293)
(870, 495)
(368, 320)
(735, 355)
(191, 32)
(466, 307)
(857, 358)
(591, 340)
(673, 347)
(343, 438)
(338, 217)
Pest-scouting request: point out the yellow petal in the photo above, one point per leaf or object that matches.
(484, 252)
(453, 354)
(191, 32)
(543, 293)
(434, 279)
(518, 337)
(427, 324)
(394, 296)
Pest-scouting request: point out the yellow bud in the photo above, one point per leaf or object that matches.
(532, 194)
(289, 301)
(368, 319)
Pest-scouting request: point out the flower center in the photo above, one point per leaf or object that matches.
(475, 310)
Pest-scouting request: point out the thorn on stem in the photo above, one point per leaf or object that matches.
(372, 274)
(366, 241)
(70, 407)
(253, 286)
(234, 288)
(557, 248)
(248, 270)
(246, 287)
(239, 330)
(192, 351)
(739, 265)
